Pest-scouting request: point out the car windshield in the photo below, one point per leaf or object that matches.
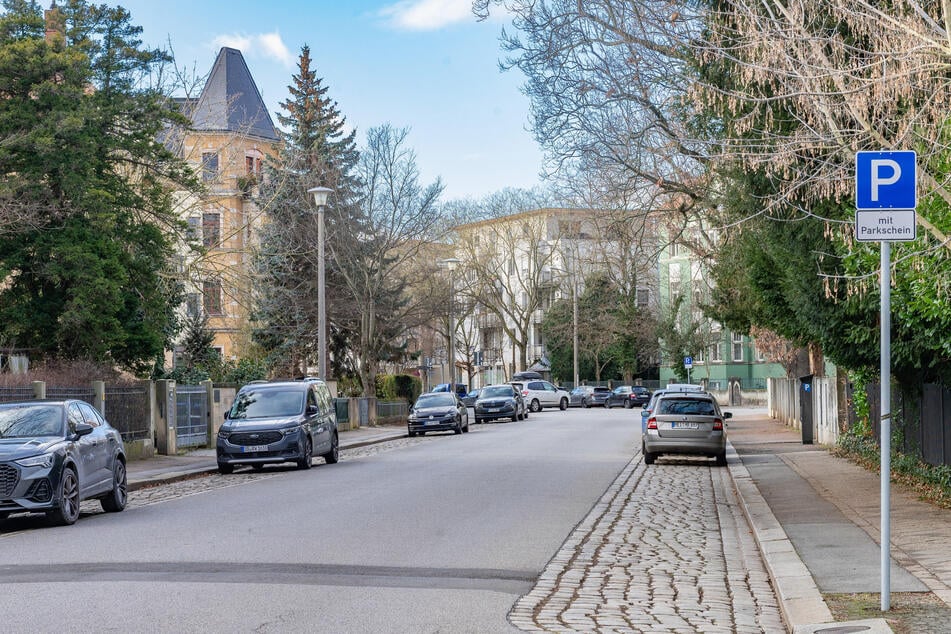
(435, 399)
(605, 390)
(32, 421)
(500, 390)
(696, 407)
(267, 404)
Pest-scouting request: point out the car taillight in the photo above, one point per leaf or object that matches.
(717, 424)
(651, 423)
(524, 392)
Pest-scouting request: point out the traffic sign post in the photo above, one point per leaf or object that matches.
(688, 363)
(885, 200)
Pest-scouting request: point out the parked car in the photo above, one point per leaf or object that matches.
(528, 375)
(279, 421)
(500, 401)
(539, 394)
(628, 396)
(461, 389)
(598, 396)
(56, 453)
(438, 411)
(685, 423)
(577, 397)
(470, 398)
(671, 387)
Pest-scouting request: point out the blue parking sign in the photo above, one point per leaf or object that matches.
(886, 180)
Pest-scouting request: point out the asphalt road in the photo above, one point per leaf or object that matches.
(435, 534)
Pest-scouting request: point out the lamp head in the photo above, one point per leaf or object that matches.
(449, 264)
(320, 195)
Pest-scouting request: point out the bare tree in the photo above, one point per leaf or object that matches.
(816, 81)
(398, 216)
(505, 261)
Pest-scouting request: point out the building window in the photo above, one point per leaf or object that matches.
(192, 304)
(209, 166)
(194, 228)
(673, 277)
(737, 347)
(211, 229)
(642, 298)
(716, 352)
(698, 358)
(211, 293)
(252, 164)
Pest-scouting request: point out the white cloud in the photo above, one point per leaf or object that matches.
(427, 15)
(267, 45)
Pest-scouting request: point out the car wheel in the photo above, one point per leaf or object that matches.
(649, 457)
(333, 456)
(307, 459)
(627, 405)
(458, 428)
(584, 403)
(411, 434)
(563, 405)
(225, 468)
(68, 510)
(536, 406)
(721, 459)
(257, 467)
(465, 430)
(117, 497)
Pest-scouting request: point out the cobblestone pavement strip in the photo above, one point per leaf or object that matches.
(667, 548)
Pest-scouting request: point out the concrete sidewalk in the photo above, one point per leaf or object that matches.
(816, 519)
(162, 469)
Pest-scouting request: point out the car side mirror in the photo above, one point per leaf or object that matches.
(83, 429)
(727, 414)
(312, 409)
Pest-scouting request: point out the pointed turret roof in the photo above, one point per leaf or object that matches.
(230, 100)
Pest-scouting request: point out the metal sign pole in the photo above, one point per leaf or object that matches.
(886, 427)
(886, 195)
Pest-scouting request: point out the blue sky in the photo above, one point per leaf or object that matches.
(423, 64)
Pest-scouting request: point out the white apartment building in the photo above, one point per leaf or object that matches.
(514, 267)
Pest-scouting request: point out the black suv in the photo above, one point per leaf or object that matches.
(280, 421)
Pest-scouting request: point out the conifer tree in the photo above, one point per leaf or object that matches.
(85, 208)
(315, 150)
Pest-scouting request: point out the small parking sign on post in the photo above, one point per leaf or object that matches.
(885, 198)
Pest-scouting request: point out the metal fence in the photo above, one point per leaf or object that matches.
(128, 410)
(191, 407)
(126, 406)
(13, 394)
(392, 409)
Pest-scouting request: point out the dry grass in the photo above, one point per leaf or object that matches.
(910, 613)
(66, 374)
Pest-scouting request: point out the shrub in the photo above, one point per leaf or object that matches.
(394, 387)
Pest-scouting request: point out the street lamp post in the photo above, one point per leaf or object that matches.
(574, 326)
(320, 195)
(450, 264)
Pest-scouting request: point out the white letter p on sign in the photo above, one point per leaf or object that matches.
(890, 180)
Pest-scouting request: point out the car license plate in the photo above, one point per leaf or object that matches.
(431, 422)
(685, 425)
(493, 409)
(253, 448)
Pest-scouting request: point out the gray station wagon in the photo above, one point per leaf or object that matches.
(685, 423)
